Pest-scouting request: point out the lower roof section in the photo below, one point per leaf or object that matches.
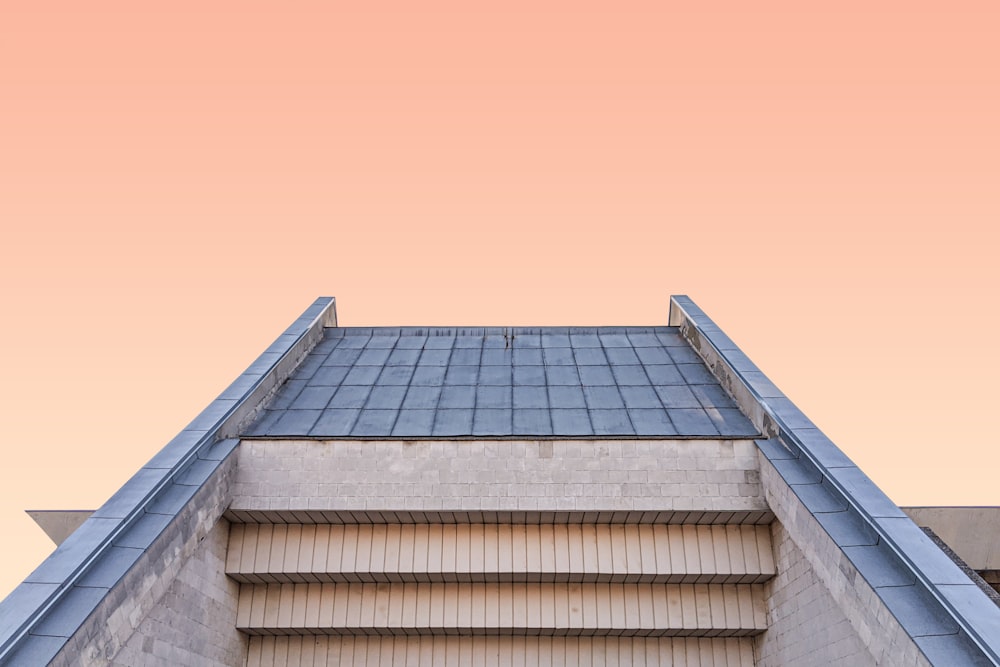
(548, 382)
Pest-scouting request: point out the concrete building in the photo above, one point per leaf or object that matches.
(453, 496)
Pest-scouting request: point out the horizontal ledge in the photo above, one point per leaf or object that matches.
(500, 632)
(641, 609)
(398, 516)
(495, 578)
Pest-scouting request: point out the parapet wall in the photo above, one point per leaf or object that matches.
(716, 478)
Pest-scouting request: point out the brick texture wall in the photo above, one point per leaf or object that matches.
(562, 475)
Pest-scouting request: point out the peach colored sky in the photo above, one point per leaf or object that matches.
(178, 182)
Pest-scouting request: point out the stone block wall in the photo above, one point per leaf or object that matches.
(817, 589)
(176, 599)
(806, 626)
(478, 475)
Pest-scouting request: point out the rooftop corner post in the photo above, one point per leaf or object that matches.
(945, 592)
(51, 594)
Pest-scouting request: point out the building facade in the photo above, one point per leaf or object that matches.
(495, 496)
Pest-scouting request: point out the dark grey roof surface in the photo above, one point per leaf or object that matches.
(492, 382)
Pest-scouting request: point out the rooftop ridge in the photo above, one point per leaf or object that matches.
(496, 330)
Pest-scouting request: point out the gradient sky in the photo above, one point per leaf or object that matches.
(178, 182)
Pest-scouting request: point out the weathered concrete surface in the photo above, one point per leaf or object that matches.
(561, 475)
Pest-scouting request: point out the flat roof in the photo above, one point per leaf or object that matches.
(543, 382)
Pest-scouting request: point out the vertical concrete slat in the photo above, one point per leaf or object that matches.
(633, 553)
(360, 651)
(586, 651)
(276, 554)
(661, 613)
(465, 601)
(406, 541)
(234, 550)
(436, 615)
(491, 605)
(272, 604)
(313, 602)
(326, 601)
(435, 538)
(453, 656)
(376, 559)
(244, 605)
(341, 601)
(352, 618)
(630, 618)
(533, 605)
(383, 602)
(321, 545)
(491, 550)
(765, 551)
(393, 553)
(678, 555)
(689, 607)
(737, 560)
(248, 555)
(560, 553)
(717, 607)
(692, 554)
(647, 549)
(745, 596)
(748, 538)
(451, 618)
(692, 653)
(281, 651)
(262, 554)
(505, 555)
(619, 553)
(473, 560)
(300, 600)
(420, 549)
(548, 604)
(574, 540)
(731, 605)
(307, 546)
(661, 544)
(286, 602)
(369, 601)
(363, 553)
(424, 599)
(335, 553)
(308, 649)
(591, 552)
(454, 540)
(348, 553)
(647, 621)
(624, 652)
(463, 541)
(321, 658)
(295, 651)
(514, 609)
(616, 603)
(254, 652)
(532, 553)
(720, 548)
(373, 656)
(290, 560)
(576, 619)
(394, 608)
(706, 554)
(477, 616)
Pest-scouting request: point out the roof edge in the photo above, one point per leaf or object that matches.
(793, 436)
(50, 583)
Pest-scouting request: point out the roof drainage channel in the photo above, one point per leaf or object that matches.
(50, 599)
(848, 505)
